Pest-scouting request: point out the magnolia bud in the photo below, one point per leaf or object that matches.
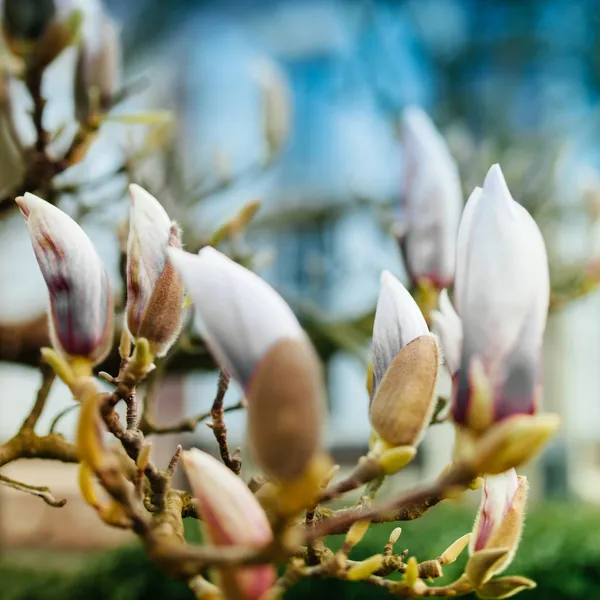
(239, 315)
(498, 527)
(98, 71)
(502, 294)
(405, 367)
(81, 309)
(231, 516)
(276, 105)
(154, 290)
(398, 321)
(254, 335)
(432, 200)
(448, 328)
(39, 30)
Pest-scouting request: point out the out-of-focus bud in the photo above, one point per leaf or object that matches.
(501, 294)
(81, 308)
(39, 30)
(231, 516)
(498, 527)
(276, 104)
(448, 327)
(405, 367)
(98, 71)
(154, 289)
(432, 201)
(254, 335)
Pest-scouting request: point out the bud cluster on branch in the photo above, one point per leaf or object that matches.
(491, 261)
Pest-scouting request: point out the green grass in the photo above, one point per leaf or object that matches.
(560, 550)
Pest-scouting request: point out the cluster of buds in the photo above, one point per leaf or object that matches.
(494, 338)
(432, 202)
(81, 304)
(37, 31)
(254, 335)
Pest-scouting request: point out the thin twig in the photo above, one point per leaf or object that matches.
(187, 425)
(48, 377)
(42, 492)
(231, 461)
(60, 415)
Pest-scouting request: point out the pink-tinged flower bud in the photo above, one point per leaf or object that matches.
(501, 294)
(432, 201)
(498, 527)
(232, 516)
(81, 309)
(254, 335)
(98, 71)
(448, 327)
(154, 289)
(405, 367)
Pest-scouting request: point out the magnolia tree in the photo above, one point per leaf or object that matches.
(491, 260)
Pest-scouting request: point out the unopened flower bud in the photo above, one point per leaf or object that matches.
(81, 309)
(432, 200)
(98, 70)
(405, 367)
(276, 105)
(501, 294)
(154, 289)
(239, 315)
(231, 516)
(498, 527)
(39, 30)
(254, 335)
(398, 321)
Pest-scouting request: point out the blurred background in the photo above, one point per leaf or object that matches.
(298, 104)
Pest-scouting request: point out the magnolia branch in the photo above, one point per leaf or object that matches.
(42, 492)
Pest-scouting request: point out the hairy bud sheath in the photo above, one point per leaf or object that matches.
(254, 335)
(432, 200)
(498, 527)
(81, 309)
(405, 367)
(154, 290)
(231, 516)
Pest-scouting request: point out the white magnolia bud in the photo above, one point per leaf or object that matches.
(501, 294)
(432, 200)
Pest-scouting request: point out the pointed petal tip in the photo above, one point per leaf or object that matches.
(23, 207)
(495, 183)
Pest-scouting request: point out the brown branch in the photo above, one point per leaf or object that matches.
(231, 461)
(42, 492)
(366, 470)
(33, 81)
(48, 377)
(407, 507)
